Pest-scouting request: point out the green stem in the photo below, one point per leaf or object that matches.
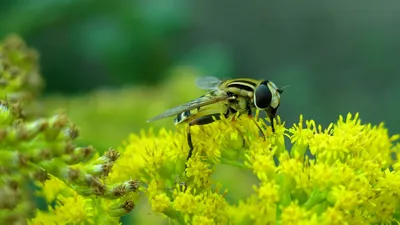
(315, 198)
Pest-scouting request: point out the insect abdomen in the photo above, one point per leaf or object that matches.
(194, 114)
(182, 117)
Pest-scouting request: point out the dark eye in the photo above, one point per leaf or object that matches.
(262, 96)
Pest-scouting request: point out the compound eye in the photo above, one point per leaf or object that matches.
(262, 96)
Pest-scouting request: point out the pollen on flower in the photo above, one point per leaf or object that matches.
(197, 219)
(130, 162)
(213, 205)
(153, 188)
(220, 138)
(160, 203)
(268, 192)
(260, 160)
(293, 214)
(148, 154)
(301, 135)
(385, 208)
(324, 176)
(253, 211)
(295, 169)
(333, 216)
(390, 182)
(199, 171)
(349, 137)
(344, 199)
(82, 212)
(52, 187)
(185, 202)
(82, 209)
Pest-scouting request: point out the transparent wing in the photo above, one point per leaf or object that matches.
(208, 83)
(208, 99)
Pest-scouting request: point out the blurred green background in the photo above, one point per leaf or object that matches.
(337, 57)
(114, 64)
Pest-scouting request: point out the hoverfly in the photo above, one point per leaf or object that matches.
(226, 98)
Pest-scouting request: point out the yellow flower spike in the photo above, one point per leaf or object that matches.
(295, 170)
(212, 205)
(277, 138)
(260, 160)
(390, 182)
(131, 162)
(252, 211)
(185, 203)
(294, 214)
(348, 138)
(160, 203)
(268, 192)
(321, 176)
(197, 219)
(333, 216)
(396, 165)
(385, 208)
(324, 176)
(343, 199)
(301, 137)
(199, 171)
(74, 209)
(52, 188)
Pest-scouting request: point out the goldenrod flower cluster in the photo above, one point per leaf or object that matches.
(343, 174)
(40, 152)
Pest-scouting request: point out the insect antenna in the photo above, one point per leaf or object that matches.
(280, 90)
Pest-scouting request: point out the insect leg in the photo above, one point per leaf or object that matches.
(271, 112)
(190, 143)
(240, 133)
(199, 121)
(249, 113)
(259, 128)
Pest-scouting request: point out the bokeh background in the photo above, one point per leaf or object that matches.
(113, 64)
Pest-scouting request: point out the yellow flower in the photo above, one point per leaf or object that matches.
(295, 170)
(52, 188)
(294, 214)
(197, 219)
(260, 160)
(344, 199)
(301, 136)
(199, 170)
(185, 202)
(348, 179)
(72, 209)
(333, 216)
(386, 205)
(252, 211)
(213, 205)
(160, 203)
(268, 193)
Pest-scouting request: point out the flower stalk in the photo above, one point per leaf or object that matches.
(40, 150)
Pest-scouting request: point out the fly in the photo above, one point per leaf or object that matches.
(226, 98)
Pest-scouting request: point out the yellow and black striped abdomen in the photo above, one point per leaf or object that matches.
(190, 115)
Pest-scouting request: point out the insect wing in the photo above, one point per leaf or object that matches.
(208, 83)
(204, 100)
